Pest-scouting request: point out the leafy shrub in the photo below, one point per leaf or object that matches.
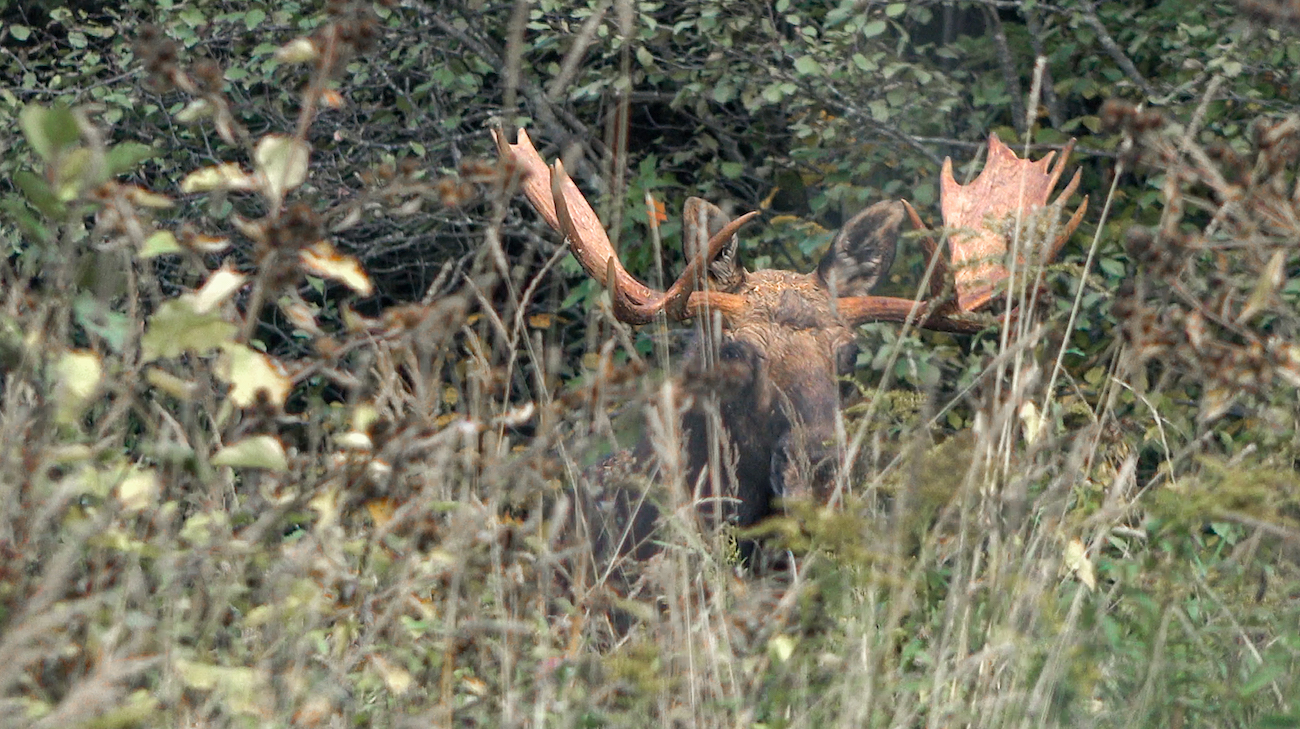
(251, 477)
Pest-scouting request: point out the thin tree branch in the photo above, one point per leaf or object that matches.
(1009, 74)
(1115, 52)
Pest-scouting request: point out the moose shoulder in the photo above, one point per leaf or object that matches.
(767, 378)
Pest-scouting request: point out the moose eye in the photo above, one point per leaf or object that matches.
(734, 351)
(846, 359)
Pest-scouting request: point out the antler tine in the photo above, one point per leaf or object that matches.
(562, 205)
(682, 301)
(1070, 225)
(589, 242)
(941, 278)
(678, 295)
(535, 178)
(1059, 167)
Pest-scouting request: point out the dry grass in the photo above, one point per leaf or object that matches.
(1091, 546)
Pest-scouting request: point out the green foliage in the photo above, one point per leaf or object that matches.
(242, 484)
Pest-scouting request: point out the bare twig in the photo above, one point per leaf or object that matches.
(1115, 52)
(1009, 74)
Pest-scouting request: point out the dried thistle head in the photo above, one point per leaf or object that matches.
(159, 55)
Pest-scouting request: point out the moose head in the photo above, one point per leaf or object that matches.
(785, 339)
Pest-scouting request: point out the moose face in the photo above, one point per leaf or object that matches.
(774, 367)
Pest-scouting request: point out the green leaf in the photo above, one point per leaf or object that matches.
(732, 170)
(893, 10)
(177, 328)
(124, 157)
(39, 194)
(874, 28)
(31, 226)
(49, 129)
(1112, 267)
(20, 32)
(1263, 676)
(98, 319)
(254, 18)
(807, 66)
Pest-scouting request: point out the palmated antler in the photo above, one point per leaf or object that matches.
(554, 196)
(1007, 188)
(974, 212)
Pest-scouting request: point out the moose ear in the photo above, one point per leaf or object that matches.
(701, 220)
(863, 250)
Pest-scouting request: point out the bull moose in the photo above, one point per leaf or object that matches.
(785, 338)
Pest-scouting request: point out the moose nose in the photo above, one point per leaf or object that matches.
(803, 467)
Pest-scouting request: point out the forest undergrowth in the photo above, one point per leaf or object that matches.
(239, 488)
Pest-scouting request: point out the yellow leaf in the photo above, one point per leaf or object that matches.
(194, 111)
(1288, 363)
(396, 678)
(1270, 280)
(146, 198)
(217, 289)
(226, 176)
(79, 374)
(259, 451)
(170, 384)
(1031, 421)
(1076, 559)
(249, 372)
(243, 689)
(541, 321)
(300, 314)
(326, 503)
(381, 510)
(363, 415)
(781, 647)
(354, 441)
(160, 243)
(322, 260)
(281, 163)
(138, 489)
(202, 243)
(1215, 403)
(298, 50)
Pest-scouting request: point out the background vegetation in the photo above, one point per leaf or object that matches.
(251, 480)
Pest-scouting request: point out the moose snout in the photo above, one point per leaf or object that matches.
(803, 467)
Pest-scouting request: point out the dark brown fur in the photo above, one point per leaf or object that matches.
(771, 375)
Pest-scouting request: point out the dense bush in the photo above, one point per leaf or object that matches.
(295, 393)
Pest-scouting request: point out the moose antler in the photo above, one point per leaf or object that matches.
(975, 214)
(554, 196)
